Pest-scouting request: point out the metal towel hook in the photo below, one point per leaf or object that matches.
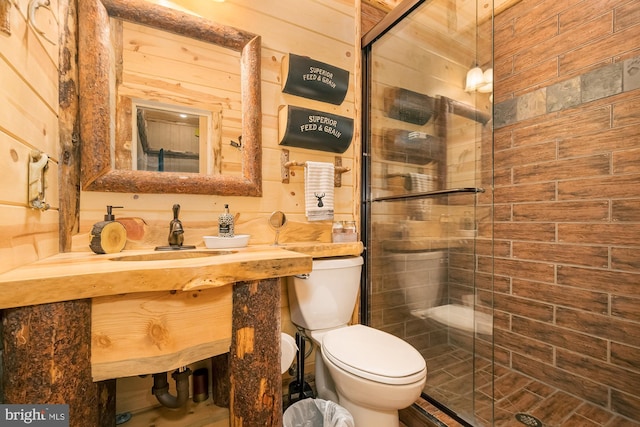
(33, 7)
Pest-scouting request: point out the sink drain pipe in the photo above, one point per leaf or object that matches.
(160, 388)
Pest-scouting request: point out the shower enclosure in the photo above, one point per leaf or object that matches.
(427, 211)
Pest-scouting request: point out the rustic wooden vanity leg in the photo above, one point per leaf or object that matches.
(254, 366)
(47, 359)
(220, 380)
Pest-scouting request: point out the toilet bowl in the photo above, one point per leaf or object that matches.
(371, 373)
(375, 373)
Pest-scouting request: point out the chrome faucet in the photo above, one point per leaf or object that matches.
(176, 232)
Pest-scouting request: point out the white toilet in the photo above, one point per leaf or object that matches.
(371, 373)
(424, 274)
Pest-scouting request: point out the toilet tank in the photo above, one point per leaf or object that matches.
(326, 298)
(422, 275)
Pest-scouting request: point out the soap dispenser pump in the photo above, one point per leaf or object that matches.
(108, 236)
(109, 216)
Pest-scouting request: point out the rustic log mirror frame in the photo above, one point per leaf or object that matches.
(96, 121)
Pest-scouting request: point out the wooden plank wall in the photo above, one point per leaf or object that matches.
(324, 30)
(28, 121)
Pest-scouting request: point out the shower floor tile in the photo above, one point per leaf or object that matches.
(450, 381)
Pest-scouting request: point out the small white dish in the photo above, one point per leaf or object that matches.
(237, 241)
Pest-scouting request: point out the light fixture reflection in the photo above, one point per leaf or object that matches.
(487, 78)
(475, 79)
(479, 81)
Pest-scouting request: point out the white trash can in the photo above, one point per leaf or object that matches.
(316, 413)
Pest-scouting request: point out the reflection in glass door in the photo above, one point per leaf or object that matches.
(427, 197)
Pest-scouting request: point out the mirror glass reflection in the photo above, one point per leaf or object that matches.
(277, 221)
(167, 140)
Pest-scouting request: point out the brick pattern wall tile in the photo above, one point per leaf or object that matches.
(567, 339)
(561, 42)
(624, 355)
(566, 293)
(608, 140)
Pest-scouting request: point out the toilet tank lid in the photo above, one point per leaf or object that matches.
(374, 354)
(337, 262)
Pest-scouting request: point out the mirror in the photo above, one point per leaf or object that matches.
(111, 96)
(277, 221)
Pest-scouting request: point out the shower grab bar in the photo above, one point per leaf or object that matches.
(427, 194)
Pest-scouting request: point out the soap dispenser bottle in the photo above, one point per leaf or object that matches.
(108, 236)
(225, 223)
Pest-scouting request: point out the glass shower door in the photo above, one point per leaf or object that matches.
(427, 199)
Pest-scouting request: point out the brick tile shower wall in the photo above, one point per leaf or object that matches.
(567, 197)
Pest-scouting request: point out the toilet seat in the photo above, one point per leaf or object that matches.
(374, 355)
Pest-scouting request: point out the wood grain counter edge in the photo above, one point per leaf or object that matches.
(80, 275)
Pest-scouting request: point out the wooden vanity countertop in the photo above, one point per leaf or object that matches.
(79, 275)
(326, 250)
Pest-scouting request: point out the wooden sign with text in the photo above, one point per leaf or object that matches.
(306, 77)
(316, 130)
